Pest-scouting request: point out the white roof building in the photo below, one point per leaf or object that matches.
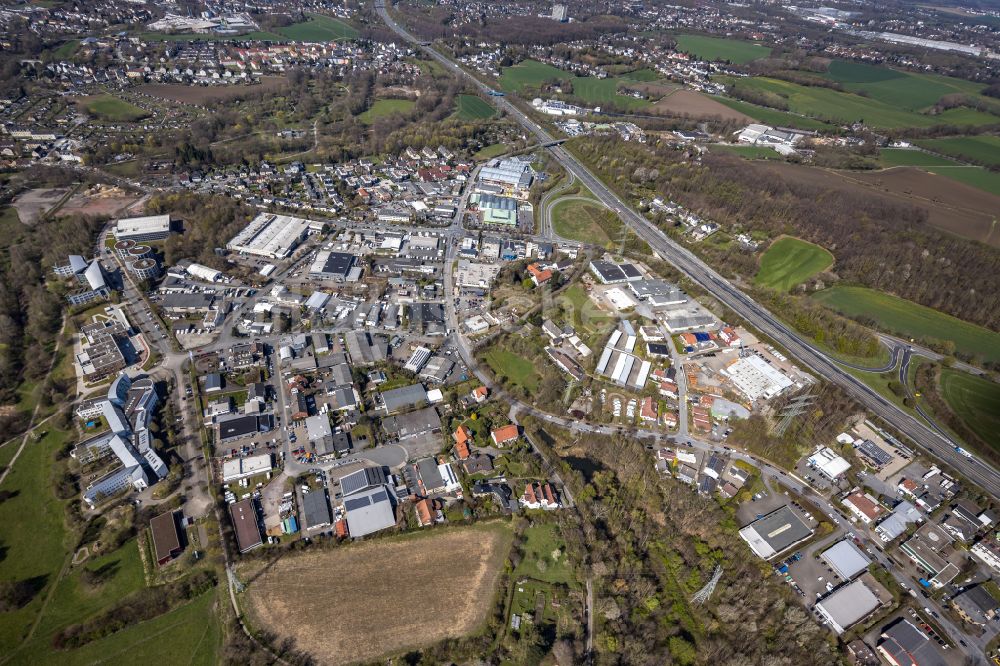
(756, 379)
(829, 463)
(239, 468)
(150, 227)
(269, 235)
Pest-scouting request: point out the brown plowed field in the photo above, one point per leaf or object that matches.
(358, 602)
(178, 92)
(684, 102)
(952, 207)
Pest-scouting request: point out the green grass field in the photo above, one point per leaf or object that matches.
(906, 90)
(583, 221)
(385, 107)
(717, 48)
(791, 261)
(772, 116)
(978, 177)
(911, 320)
(491, 151)
(256, 36)
(541, 541)
(983, 149)
(974, 400)
(33, 539)
(531, 73)
(318, 28)
(641, 75)
(848, 107)
(517, 369)
(749, 152)
(109, 107)
(890, 157)
(473, 107)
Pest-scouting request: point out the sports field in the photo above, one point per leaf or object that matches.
(717, 48)
(517, 369)
(109, 107)
(531, 73)
(772, 116)
(790, 261)
(983, 149)
(385, 107)
(356, 603)
(911, 320)
(974, 400)
(472, 107)
(848, 107)
(318, 28)
(581, 220)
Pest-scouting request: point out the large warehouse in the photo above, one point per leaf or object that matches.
(269, 235)
(775, 532)
(336, 266)
(846, 559)
(151, 227)
(755, 378)
(849, 604)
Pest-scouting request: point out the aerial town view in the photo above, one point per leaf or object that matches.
(420, 332)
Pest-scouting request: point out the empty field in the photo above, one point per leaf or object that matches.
(318, 28)
(790, 261)
(583, 220)
(717, 48)
(385, 107)
(749, 152)
(491, 151)
(911, 320)
(359, 602)
(473, 107)
(983, 149)
(178, 92)
(891, 157)
(545, 555)
(683, 102)
(109, 107)
(974, 400)
(517, 369)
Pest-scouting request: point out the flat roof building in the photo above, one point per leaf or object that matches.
(245, 524)
(775, 532)
(334, 266)
(412, 424)
(269, 235)
(361, 480)
(150, 227)
(829, 463)
(756, 378)
(846, 559)
(369, 511)
(166, 538)
(402, 398)
(848, 605)
(316, 509)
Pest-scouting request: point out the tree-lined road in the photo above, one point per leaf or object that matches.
(752, 312)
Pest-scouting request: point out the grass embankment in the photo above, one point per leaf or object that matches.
(976, 401)
(585, 221)
(791, 261)
(911, 320)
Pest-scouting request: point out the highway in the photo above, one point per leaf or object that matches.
(752, 312)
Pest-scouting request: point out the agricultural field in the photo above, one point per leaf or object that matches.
(893, 157)
(983, 149)
(473, 107)
(974, 400)
(386, 107)
(583, 220)
(907, 90)
(911, 320)
(716, 48)
(178, 92)
(848, 107)
(749, 152)
(517, 369)
(318, 28)
(531, 73)
(111, 108)
(380, 607)
(977, 177)
(791, 261)
(772, 116)
(684, 102)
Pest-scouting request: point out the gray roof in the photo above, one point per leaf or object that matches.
(909, 646)
(315, 509)
(370, 511)
(318, 427)
(976, 602)
(429, 474)
(846, 559)
(776, 532)
(361, 480)
(847, 605)
(404, 397)
(413, 423)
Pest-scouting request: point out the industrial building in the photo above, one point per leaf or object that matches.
(849, 604)
(336, 266)
(246, 525)
(241, 468)
(619, 363)
(316, 509)
(269, 235)
(903, 644)
(756, 378)
(166, 538)
(204, 273)
(775, 532)
(402, 398)
(369, 511)
(846, 559)
(141, 229)
(828, 463)
(413, 424)
(511, 174)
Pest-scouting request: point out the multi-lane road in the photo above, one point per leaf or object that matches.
(707, 278)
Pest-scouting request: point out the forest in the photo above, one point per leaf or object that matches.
(881, 245)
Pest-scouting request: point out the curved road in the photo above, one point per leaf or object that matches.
(755, 314)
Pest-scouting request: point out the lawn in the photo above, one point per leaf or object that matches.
(585, 221)
(897, 88)
(772, 116)
(983, 149)
(109, 107)
(911, 320)
(318, 28)
(540, 560)
(33, 540)
(531, 74)
(491, 151)
(749, 152)
(975, 400)
(473, 107)
(385, 107)
(718, 48)
(790, 261)
(517, 369)
(188, 635)
(848, 107)
(890, 157)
